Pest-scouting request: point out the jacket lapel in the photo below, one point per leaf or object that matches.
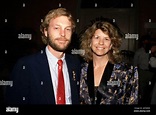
(74, 80)
(45, 77)
(105, 78)
(90, 81)
(107, 74)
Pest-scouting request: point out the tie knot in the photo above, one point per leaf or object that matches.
(60, 62)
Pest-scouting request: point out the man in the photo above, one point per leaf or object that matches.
(35, 77)
(152, 65)
(141, 59)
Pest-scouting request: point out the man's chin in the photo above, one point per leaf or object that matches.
(61, 49)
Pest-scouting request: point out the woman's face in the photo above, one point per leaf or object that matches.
(100, 43)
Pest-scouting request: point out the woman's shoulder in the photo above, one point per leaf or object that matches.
(124, 66)
(126, 69)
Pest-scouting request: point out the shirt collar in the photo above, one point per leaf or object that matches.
(52, 58)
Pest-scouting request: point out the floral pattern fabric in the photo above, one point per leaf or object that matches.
(121, 87)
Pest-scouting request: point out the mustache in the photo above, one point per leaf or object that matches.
(62, 38)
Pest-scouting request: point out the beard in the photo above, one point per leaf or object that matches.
(56, 46)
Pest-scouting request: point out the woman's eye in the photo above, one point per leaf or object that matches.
(107, 39)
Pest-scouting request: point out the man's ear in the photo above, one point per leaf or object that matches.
(45, 32)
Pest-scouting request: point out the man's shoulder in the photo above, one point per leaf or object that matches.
(140, 50)
(72, 57)
(31, 58)
(152, 62)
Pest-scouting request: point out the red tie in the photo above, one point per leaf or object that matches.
(60, 88)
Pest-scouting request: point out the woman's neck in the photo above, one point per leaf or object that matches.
(100, 61)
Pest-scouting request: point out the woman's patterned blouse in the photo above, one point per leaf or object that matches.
(118, 85)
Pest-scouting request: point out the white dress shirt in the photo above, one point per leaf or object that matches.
(52, 60)
(141, 59)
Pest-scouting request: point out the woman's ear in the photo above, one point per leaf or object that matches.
(110, 47)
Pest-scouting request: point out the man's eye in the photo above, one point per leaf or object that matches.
(69, 29)
(56, 28)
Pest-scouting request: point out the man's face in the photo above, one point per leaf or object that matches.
(59, 33)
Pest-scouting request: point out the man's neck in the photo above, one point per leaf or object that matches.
(57, 54)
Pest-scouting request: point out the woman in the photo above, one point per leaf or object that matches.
(105, 79)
